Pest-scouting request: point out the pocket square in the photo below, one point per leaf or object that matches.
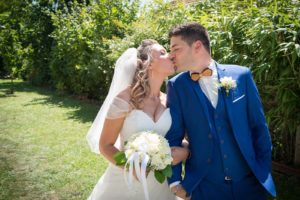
(239, 98)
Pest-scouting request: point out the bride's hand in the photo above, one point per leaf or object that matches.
(179, 154)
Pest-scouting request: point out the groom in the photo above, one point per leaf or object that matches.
(219, 109)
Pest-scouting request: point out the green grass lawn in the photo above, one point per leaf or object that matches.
(44, 154)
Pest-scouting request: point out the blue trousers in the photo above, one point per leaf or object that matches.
(246, 189)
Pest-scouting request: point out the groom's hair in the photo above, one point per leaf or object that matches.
(191, 32)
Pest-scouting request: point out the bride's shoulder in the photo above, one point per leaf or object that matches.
(120, 106)
(124, 95)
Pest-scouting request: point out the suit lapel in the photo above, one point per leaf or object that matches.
(222, 72)
(201, 98)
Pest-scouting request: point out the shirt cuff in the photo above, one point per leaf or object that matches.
(174, 184)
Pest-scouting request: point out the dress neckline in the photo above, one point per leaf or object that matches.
(158, 119)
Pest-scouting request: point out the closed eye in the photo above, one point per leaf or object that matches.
(174, 50)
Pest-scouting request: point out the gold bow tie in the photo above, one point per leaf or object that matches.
(195, 76)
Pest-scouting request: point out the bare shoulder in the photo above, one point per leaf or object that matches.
(125, 94)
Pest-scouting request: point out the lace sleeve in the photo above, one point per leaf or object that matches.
(119, 108)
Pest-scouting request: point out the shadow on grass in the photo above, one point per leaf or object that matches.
(11, 183)
(82, 110)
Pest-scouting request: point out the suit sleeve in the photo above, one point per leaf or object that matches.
(176, 133)
(258, 125)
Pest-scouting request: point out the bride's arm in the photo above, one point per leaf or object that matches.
(113, 125)
(109, 136)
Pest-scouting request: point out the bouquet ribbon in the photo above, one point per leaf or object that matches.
(133, 162)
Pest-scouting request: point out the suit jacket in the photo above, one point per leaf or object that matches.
(190, 116)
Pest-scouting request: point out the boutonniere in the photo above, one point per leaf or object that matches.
(227, 83)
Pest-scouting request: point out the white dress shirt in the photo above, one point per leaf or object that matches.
(209, 84)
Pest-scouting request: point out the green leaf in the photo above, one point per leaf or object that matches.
(167, 171)
(120, 158)
(160, 177)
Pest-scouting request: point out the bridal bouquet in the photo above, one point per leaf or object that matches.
(146, 151)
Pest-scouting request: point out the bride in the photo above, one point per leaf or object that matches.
(134, 104)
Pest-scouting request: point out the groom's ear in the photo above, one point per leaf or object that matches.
(197, 45)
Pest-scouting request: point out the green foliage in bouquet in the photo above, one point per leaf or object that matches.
(160, 175)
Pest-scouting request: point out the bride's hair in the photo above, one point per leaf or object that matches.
(140, 87)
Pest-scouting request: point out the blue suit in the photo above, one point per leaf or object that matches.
(191, 115)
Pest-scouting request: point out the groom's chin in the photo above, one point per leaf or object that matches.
(177, 69)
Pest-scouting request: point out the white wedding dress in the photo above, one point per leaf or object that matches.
(111, 185)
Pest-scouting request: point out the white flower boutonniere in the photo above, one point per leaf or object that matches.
(227, 83)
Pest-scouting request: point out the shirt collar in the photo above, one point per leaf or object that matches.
(212, 66)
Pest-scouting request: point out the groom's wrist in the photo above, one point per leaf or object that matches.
(174, 184)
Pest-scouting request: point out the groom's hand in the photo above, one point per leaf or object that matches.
(179, 191)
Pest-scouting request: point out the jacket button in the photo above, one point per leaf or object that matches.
(208, 160)
(210, 136)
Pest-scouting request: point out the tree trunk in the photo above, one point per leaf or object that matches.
(297, 147)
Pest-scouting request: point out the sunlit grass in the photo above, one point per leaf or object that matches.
(44, 154)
